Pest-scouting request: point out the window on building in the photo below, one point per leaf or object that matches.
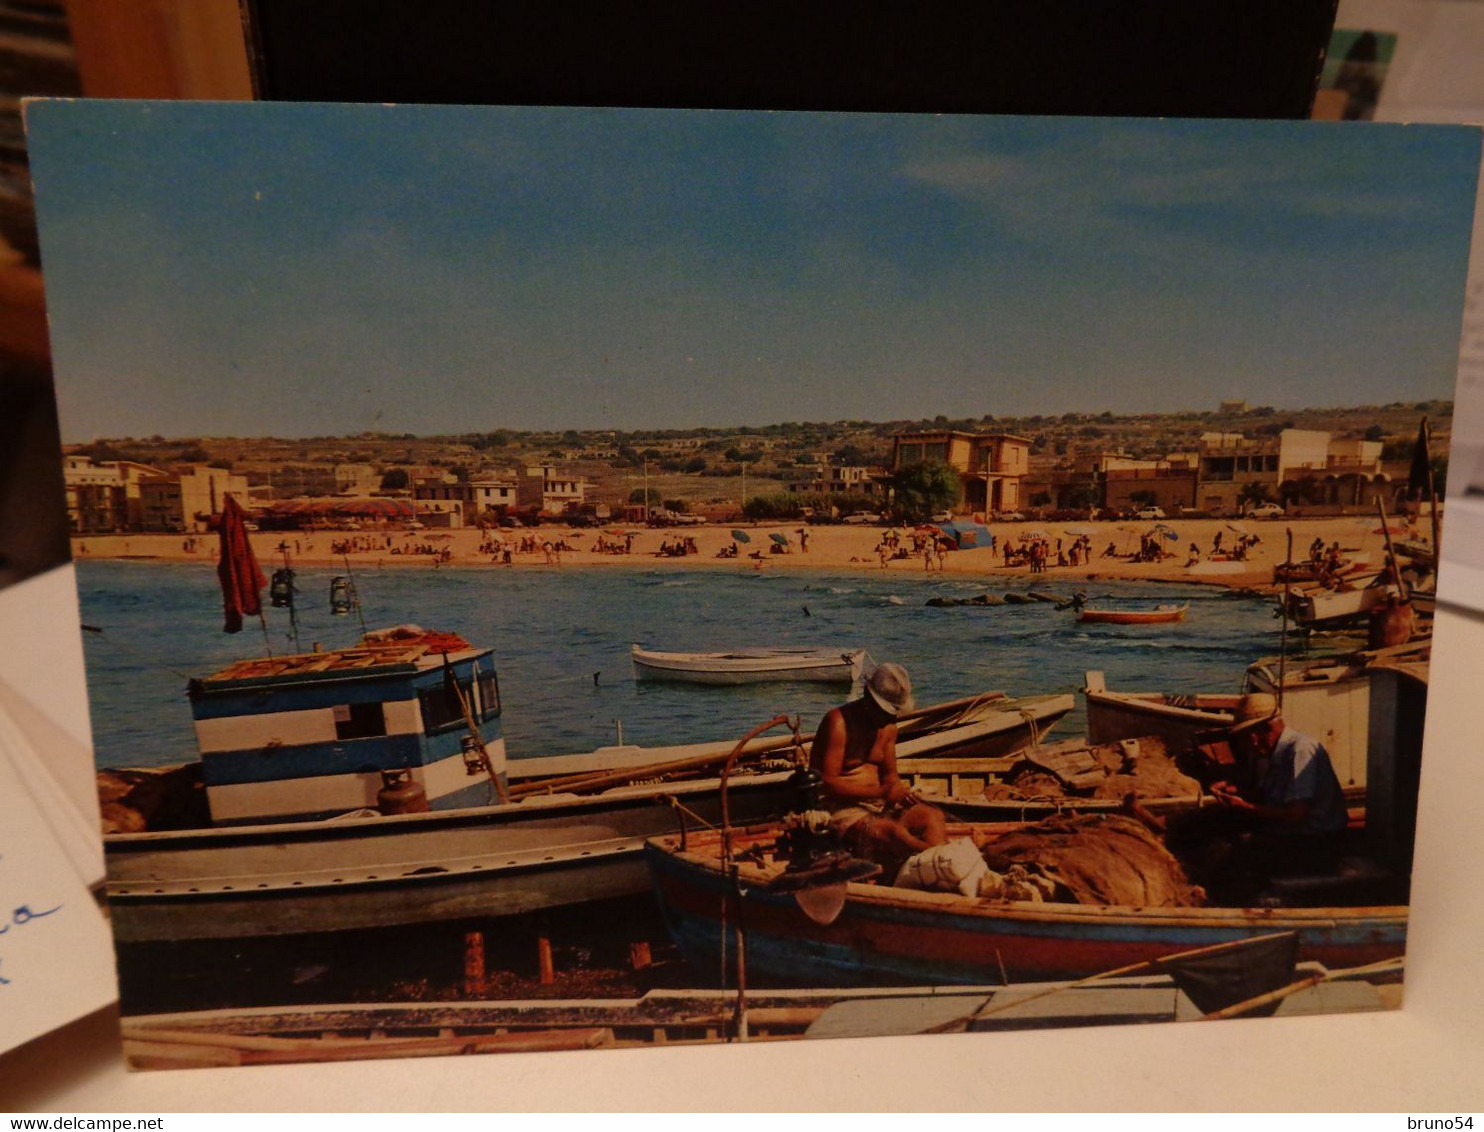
(359, 721)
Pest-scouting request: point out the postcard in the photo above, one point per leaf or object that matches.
(563, 578)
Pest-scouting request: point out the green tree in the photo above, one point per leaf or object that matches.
(1082, 497)
(925, 488)
(637, 496)
(394, 479)
(1254, 495)
(1375, 432)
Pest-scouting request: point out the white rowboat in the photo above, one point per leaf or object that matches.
(751, 666)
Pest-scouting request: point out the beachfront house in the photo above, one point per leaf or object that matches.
(104, 497)
(188, 500)
(991, 465)
(1298, 467)
(551, 489)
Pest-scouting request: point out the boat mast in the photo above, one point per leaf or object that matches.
(286, 589)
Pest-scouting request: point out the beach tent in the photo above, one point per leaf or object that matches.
(966, 535)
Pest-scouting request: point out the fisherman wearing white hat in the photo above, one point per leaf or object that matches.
(855, 753)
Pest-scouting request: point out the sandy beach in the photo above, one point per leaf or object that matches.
(833, 548)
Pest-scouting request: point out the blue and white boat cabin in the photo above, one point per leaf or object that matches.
(313, 735)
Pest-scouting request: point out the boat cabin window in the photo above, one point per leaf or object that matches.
(359, 721)
(489, 696)
(440, 707)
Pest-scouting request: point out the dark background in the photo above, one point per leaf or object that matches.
(1181, 58)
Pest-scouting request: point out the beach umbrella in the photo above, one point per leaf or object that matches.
(1027, 536)
(1080, 530)
(780, 539)
(1165, 532)
(741, 536)
(1237, 528)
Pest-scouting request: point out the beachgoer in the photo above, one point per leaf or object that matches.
(855, 753)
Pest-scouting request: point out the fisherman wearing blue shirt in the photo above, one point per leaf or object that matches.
(1297, 792)
(1287, 818)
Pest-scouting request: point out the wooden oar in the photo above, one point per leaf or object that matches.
(1238, 1009)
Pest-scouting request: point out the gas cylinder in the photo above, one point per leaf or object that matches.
(401, 794)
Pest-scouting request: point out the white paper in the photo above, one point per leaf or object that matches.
(55, 948)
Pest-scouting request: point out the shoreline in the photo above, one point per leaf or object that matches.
(838, 548)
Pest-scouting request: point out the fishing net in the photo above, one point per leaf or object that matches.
(1097, 859)
(1107, 771)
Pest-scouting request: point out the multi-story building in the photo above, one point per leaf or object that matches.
(106, 496)
(551, 489)
(467, 502)
(990, 465)
(188, 500)
(1297, 467)
(852, 479)
(356, 479)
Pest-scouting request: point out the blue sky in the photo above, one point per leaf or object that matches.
(298, 270)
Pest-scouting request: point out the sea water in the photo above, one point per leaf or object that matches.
(561, 638)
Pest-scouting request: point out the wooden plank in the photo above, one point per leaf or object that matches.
(168, 1055)
(529, 1042)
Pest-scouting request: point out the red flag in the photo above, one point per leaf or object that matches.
(242, 581)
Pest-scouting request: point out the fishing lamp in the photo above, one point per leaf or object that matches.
(281, 589)
(819, 868)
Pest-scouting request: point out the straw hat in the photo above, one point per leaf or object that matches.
(891, 688)
(1252, 709)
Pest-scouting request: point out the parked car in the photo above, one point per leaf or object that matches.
(1265, 511)
(862, 517)
(1150, 513)
(1009, 517)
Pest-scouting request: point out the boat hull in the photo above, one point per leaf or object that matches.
(1131, 616)
(732, 669)
(889, 936)
(1176, 720)
(363, 873)
(374, 872)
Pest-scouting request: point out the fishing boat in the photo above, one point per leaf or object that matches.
(1329, 697)
(1177, 719)
(1353, 563)
(883, 934)
(750, 666)
(360, 1031)
(567, 838)
(1351, 602)
(368, 787)
(1159, 615)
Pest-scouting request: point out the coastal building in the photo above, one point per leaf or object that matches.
(551, 489)
(188, 500)
(357, 479)
(464, 503)
(304, 480)
(105, 496)
(1298, 467)
(990, 465)
(852, 479)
